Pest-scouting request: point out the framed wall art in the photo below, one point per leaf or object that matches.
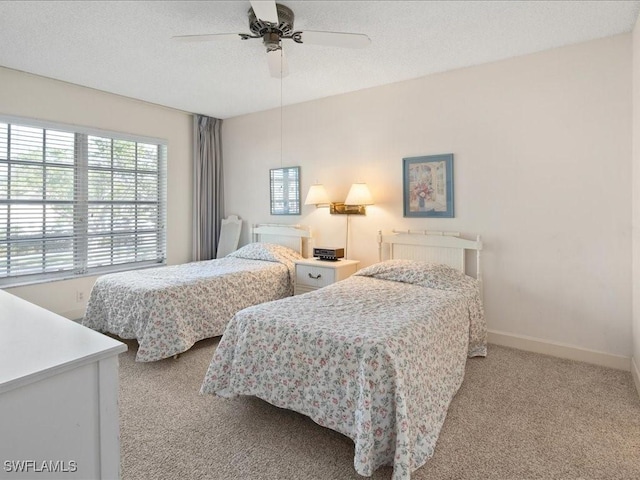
(428, 186)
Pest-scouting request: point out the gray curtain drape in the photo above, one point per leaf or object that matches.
(208, 194)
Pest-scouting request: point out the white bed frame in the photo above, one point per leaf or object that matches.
(439, 247)
(292, 236)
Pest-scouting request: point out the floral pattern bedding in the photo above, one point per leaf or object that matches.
(168, 309)
(377, 357)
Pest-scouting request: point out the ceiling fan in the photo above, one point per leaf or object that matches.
(273, 22)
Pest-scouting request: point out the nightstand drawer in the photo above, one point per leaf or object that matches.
(314, 276)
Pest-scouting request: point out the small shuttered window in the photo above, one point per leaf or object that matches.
(78, 202)
(285, 191)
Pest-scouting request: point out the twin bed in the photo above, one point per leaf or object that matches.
(377, 357)
(168, 309)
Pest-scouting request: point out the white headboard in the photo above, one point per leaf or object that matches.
(439, 247)
(229, 235)
(292, 236)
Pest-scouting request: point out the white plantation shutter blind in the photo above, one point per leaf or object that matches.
(277, 192)
(73, 203)
(285, 191)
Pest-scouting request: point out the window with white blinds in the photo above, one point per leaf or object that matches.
(76, 203)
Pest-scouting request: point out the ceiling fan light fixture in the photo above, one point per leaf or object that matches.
(272, 41)
(273, 22)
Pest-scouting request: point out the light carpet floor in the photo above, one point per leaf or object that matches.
(518, 415)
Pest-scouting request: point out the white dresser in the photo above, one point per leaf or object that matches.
(312, 274)
(58, 396)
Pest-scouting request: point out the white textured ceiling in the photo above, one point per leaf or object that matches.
(126, 47)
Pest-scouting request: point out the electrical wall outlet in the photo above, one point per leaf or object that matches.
(79, 296)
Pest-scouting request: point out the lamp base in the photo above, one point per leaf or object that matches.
(336, 208)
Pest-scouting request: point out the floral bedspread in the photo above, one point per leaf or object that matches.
(377, 357)
(168, 309)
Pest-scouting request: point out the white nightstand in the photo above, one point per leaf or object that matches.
(312, 274)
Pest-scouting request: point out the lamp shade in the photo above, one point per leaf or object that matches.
(359, 194)
(317, 194)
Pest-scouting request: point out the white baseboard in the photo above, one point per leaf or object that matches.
(635, 373)
(537, 345)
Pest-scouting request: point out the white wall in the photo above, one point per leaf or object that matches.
(36, 97)
(635, 364)
(542, 147)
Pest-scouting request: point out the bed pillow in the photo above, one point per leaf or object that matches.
(417, 272)
(270, 252)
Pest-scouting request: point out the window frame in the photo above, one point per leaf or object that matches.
(284, 191)
(81, 203)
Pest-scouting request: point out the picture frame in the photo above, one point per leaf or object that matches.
(428, 186)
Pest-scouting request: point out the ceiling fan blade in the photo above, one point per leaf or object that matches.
(335, 39)
(278, 65)
(265, 10)
(207, 37)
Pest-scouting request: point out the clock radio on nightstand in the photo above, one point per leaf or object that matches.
(330, 254)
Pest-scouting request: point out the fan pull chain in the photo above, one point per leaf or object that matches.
(281, 124)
